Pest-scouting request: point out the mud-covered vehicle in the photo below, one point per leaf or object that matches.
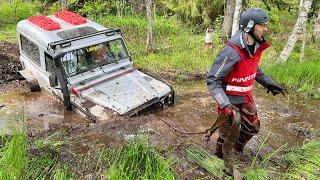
(87, 66)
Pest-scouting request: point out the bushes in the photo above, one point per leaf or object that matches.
(16, 11)
(11, 13)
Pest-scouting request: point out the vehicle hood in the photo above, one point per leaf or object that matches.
(124, 90)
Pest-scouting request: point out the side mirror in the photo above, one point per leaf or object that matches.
(53, 80)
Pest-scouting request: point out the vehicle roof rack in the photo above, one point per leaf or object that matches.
(66, 42)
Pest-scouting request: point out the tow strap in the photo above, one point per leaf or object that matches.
(236, 119)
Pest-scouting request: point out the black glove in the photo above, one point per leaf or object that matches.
(275, 89)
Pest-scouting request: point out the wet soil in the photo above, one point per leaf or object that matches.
(288, 120)
(9, 66)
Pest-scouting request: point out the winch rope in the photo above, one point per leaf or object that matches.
(183, 131)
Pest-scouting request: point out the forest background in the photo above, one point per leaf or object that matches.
(178, 31)
(178, 51)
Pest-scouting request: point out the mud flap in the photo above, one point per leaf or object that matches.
(31, 79)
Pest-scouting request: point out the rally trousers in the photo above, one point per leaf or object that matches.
(250, 125)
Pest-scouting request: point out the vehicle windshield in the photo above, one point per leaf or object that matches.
(85, 59)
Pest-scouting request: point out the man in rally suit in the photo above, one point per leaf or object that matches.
(232, 75)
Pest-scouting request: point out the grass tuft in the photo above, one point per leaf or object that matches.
(256, 174)
(304, 163)
(299, 76)
(139, 160)
(212, 164)
(13, 157)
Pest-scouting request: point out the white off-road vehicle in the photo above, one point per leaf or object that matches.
(87, 66)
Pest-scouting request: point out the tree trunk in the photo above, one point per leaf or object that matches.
(64, 4)
(302, 18)
(316, 28)
(228, 16)
(236, 17)
(149, 28)
(301, 4)
(304, 41)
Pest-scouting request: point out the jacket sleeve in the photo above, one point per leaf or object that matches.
(220, 68)
(263, 79)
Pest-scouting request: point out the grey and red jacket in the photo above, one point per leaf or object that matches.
(234, 70)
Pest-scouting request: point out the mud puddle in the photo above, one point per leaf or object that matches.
(38, 111)
(288, 119)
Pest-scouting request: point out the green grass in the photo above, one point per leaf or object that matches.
(47, 166)
(212, 164)
(11, 14)
(260, 170)
(17, 10)
(304, 162)
(256, 174)
(295, 163)
(13, 157)
(8, 33)
(17, 163)
(139, 160)
(299, 76)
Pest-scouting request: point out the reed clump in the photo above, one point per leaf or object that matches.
(139, 160)
(202, 158)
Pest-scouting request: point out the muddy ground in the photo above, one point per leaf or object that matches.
(9, 67)
(287, 119)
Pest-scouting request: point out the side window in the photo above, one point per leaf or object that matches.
(30, 49)
(49, 64)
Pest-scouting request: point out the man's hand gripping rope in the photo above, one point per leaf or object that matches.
(231, 111)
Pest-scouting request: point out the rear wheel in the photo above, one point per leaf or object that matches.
(34, 86)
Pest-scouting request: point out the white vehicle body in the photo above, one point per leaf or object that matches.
(86, 65)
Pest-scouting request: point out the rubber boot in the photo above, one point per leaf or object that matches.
(242, 141)
(218, 152)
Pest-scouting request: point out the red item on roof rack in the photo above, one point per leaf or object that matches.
(44, 22)
(71, 17)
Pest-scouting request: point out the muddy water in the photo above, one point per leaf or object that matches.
(39, 111)
(289, 119)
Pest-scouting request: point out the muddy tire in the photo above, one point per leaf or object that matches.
(31, 80)
(34, 86)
